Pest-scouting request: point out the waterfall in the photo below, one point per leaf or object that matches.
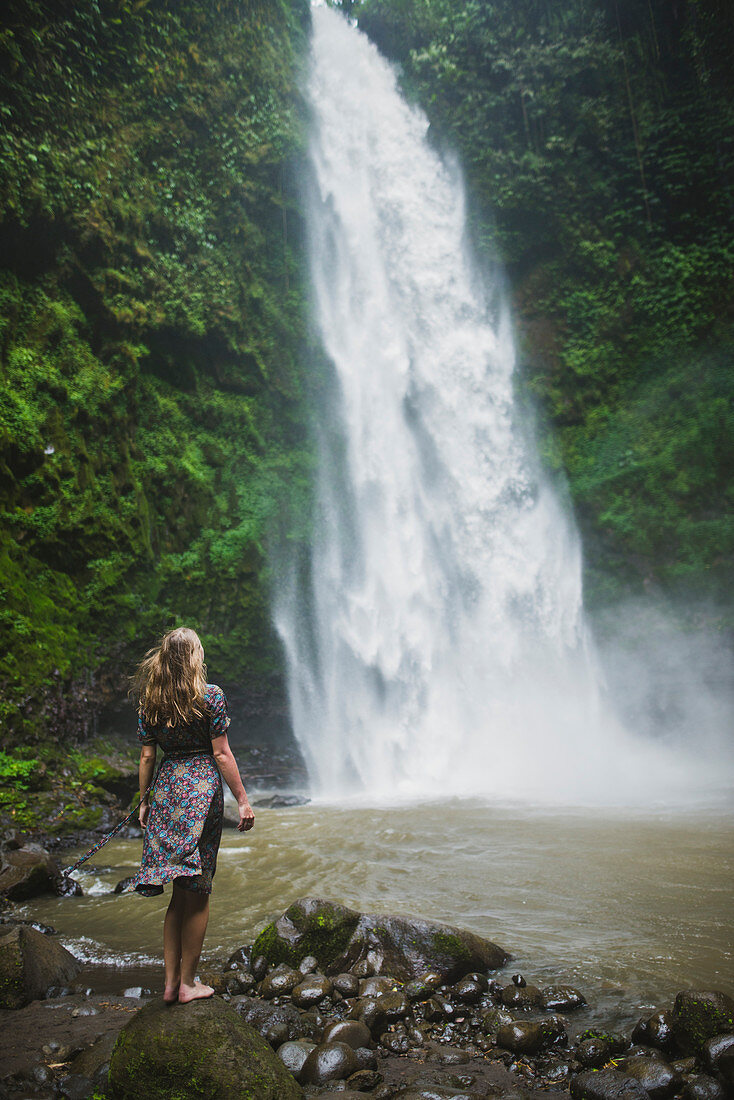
(435, 640)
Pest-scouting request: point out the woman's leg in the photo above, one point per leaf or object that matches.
(195, 920)
(172, 928)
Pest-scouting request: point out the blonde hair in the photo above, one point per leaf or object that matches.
(170, 681)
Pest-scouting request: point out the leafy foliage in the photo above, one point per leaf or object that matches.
(151, 335)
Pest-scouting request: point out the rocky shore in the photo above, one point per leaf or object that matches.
(329, 1000)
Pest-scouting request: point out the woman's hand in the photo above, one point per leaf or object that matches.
(247, 815)
(143, 813)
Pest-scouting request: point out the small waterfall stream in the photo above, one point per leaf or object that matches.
(436, 641)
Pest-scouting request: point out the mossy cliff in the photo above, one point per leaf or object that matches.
(151, 330)
(596, 136)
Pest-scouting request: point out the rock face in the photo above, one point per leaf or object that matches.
(202, 1049)
(29, 963)
(698, 1016)
(606, 1084)
(342, 939)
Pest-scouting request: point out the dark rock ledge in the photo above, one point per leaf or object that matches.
(329, 1001)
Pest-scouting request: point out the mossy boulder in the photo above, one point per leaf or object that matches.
(30, 962)
(201, 1049)
(27, 872)
(341, 938)
(698, 1016)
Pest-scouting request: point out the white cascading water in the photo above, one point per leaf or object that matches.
(435, 642)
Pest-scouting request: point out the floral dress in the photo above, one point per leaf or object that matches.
(186, 803)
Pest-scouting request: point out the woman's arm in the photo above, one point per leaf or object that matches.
(231, 775)
(146, 768)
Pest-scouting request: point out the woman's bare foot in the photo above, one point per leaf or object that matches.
(170, 994)
(195, 992)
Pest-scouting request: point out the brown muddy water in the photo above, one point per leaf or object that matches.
(628, 907)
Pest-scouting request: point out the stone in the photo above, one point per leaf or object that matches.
(420, 989)
(469, 990)
(395, 1005)
(561, 998)
(311, 991)
(367, 1009)
(593, 1053)
(521, 996)
(606, 1084)
(264, 1017)
(94, 1062)
(203, 1048)
(617, 1042)
(365, 1080)
(376, 985)
(347, 984)
(293, 1055)
(493, 1018)
(657, 1078)
(656, 1031)
(532, 1036)
(352, 1032)
(74, 1087)
(395, 1041)
(367, 1058)
(439, 1008)
(701, 1086)
(239, 960)
(28, 872)
(283, 979)
(29, 964)
(259, 967)
(124, 884)
(342, 939)
(714, 1050)
(698, 1016)
(329, 1062)
(308, 964)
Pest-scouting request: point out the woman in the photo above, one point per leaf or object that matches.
(182, 818)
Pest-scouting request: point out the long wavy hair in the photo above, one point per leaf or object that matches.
(170, 681)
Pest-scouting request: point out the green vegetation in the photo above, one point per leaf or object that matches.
(598, 138)
(151, 328)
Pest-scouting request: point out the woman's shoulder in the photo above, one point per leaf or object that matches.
(213, 694)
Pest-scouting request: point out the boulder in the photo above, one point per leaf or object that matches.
(493, 1018)
(342, 939)
(593, 1053)
(700, 1086)
(698, 1016)
(329, 1062)
(606, 1084)
(283, 979)
(29, 963)
(658, 1079)
(532, 1036)
(293, 1055)
(199, 1049)
(616, 1042)
(715, 1051)
(352, 1032)
(346, 984)
(27, 872)
(521, 996)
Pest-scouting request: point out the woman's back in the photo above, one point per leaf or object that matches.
(193, 735)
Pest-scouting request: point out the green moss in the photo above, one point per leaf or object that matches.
(449, 944)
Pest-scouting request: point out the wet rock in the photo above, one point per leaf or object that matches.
(606, 1084)
(521, 996)
(593, 1053)
(341, 939)
(701, 1086)
(308, 964)
(367, 1058)
(277, 801)
(124, 884)
(420, 989)
(354, 1033)
(364, 1080)
(207, 1041)
(725, 1066)
(85, 1010)
(239, 960)
(311, 991)
(394, 1005)
(698, 1016)
(453, 1056)
(617, 1042)
(27, 872)
(263, 1017)
(94, 1062)
(531, 1036)
(259, 967)
(293, 1055)
(346, 984)
(561, 998)
(714, 1051)
(469, 990)
(238, 981)
(655, 1031)
(329, 1062)
(68, 887)
(74, 1087)
(492, 1019)
(376, 986)
(368, 1010)
(280, 981)
(684, 1065)
(439, 1008)
(657, 1078)
(29, 963)
(395, 1041)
